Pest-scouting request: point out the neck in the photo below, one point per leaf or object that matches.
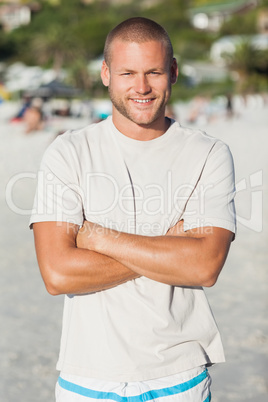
(142, 132)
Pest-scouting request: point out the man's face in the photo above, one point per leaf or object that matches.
(139, 79)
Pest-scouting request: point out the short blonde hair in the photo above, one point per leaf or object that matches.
(139, 30)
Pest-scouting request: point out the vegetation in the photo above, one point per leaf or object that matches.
(69, 36)
(251, 65)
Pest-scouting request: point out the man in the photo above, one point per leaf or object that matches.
(132, 217)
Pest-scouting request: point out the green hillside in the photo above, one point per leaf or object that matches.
(69, 36)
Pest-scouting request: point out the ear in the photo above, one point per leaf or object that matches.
(174, 71)
(105, 74)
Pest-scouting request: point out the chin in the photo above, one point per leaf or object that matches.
(145, 120)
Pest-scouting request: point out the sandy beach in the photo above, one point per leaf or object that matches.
(31, 318)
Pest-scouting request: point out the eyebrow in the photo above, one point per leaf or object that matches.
(128, 70)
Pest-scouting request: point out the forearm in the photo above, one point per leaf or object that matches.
(172, 260)
(194, 258)
(84, 271)
(67, 269)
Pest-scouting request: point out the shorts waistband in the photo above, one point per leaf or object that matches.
(143, 397)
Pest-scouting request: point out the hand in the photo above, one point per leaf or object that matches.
(95, 237)
(177, 230)
(198, 232)
(88, 235)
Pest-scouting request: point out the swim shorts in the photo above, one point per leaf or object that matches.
(189, 386)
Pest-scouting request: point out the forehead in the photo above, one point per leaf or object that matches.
(124, 53)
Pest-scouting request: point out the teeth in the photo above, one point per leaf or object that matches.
(142, 100)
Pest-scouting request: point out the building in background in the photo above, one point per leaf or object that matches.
(14, 15)
(262, 23)
(210, 17)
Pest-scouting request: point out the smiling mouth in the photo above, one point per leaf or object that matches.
(142, 100)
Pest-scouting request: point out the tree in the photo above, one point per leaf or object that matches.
(79, 75)
(56, 46)
(247, 60)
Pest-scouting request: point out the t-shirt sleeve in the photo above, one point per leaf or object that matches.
(212, 200)
(58, 195)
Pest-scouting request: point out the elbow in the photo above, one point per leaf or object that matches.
(209, 281)
(211, 274)
(52, 289)
(213, 262)
(53, 281)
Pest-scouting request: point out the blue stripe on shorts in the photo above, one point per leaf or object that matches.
(146, 396)
(208, 399)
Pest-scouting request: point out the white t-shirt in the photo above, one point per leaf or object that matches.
(141, 329)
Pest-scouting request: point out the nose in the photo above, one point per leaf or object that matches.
(142, 85)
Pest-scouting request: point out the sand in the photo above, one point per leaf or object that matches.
(31, 318)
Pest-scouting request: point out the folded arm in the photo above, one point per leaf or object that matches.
(67, 269)
(97, 258)
(192, 258)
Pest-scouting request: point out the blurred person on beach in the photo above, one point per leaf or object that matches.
(30, 114)
(132, 217)
(199, 111)
(33, 116)
(229, 106)
(26, 103)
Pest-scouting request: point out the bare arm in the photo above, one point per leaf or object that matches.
(67, 269)
(192, 258)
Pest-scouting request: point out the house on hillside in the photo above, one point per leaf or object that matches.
(211, 17)
(13, 14)
(228, 44)
(263, 21)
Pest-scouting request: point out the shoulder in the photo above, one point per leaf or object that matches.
(78, 136)
(76, 142)
(194, 135)
(198, 138)
(195, 143)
